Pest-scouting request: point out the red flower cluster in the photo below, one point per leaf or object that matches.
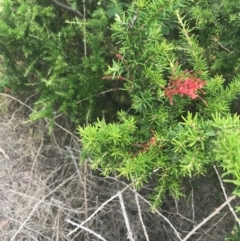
(185, 85)
(119, 56)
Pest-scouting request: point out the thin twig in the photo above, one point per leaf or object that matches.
(75, 164)
(84, 29)
(228, 50)
(34, 162)
(226, 197)
(4, 154)
(101, 93)
(86, 229)
(30, 229)
(36, 206)
(48, 203)
(209, 217)
(193, 209)
(9, 96)
(161, 215)
(99, 209)
(140, 216)
(129, 231)
(179, 214)
(69, 9)
(85, 194)
(215, 224)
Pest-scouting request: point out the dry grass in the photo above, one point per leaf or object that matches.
(46, 195)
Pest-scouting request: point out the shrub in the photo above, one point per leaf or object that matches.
(51, 53)
(217, 28)
(179, 123)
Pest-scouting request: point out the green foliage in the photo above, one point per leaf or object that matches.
(62, 60)
(217, 28)
(58, 58)
(235, 235)
(155, 138)
(74, 4)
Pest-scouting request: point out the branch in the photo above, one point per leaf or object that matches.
(36, 206)
(98, 210)
(86, 229)
(84, 29)
(146, 201)
(226, 197)
(24, 104)
(209, 217)
(101, 93)
(85, 193)
(140, 215)
(69, 9)
(130, 234)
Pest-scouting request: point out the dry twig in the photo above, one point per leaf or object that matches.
(140, 215)
(209, 217)
(36, 206)
(86, 229)
(226, 197)
(129, 233)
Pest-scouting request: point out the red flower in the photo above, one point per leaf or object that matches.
(119, 56)
(188, 84)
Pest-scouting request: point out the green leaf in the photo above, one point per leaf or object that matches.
(98, 12)
(74, 5)
(111, 12)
